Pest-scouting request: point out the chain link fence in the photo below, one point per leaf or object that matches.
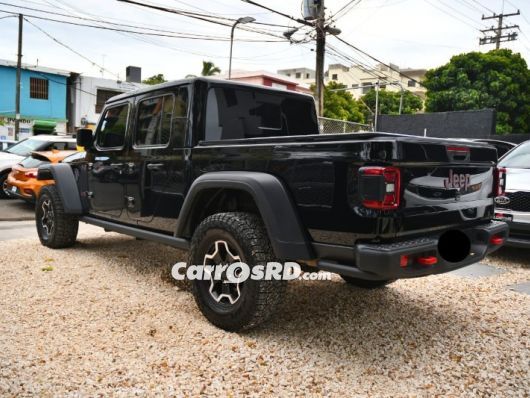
(335, 126)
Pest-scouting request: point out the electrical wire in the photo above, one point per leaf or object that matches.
(71, 49)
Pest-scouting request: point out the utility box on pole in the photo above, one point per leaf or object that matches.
(313, 9)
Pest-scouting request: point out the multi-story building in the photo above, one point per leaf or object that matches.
(361, 80)
(303, 75)
(43, 99)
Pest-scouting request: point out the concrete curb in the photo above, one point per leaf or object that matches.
(25, 218)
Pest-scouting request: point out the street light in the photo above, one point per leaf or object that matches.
(242, 20)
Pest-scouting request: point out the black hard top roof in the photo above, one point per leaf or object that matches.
(167, 85)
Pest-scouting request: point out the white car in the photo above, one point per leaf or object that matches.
(513, 206)
(19, 151)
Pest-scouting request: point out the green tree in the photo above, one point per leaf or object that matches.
(340, 104)
(497, 79)
(155, 79)
(389, 102)
(209, 69)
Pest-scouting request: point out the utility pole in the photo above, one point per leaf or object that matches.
(19, 72)
(499, 37)
(321, 53)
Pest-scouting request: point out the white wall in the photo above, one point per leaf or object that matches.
(84, 97)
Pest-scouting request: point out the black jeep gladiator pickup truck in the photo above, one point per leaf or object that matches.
(236, 172)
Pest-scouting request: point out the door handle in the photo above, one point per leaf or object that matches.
(155, 166)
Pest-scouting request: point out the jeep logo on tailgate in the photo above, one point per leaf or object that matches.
(457, 181)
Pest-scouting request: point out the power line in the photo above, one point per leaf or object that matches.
(377, 60)
(452, 15)
(70, 48)
(176, 36)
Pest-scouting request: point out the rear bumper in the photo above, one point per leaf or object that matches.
(519, 235)
(519, 223)
(383, 261)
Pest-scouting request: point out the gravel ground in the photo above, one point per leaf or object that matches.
(99, 320)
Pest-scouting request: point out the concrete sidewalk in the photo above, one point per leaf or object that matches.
(16, 210)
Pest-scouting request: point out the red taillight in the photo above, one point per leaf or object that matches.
(404, 261)
(461, 149)
(31, 174)
(496, 240)
(384, 192)
(428, 260)
(499, 179)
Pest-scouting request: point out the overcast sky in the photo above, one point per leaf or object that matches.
(409, 33)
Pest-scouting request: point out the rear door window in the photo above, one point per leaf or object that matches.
(113, 127)
(153, 126)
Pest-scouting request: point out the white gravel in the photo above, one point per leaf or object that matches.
(99, 320)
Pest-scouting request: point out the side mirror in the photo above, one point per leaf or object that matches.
(85, 138)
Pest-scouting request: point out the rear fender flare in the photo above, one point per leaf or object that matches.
(286, 232)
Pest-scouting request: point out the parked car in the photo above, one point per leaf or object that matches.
(24, 148)
(22, 182)
(239, 173)
(513, 202)
(5, 144)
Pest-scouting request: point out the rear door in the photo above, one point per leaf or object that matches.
(108, 172)
(158, 157)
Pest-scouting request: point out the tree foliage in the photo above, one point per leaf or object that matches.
(340, 104)
(389, 102)
(498, 79)
(209, 69)
(155, 79)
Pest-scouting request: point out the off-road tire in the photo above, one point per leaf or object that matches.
(64, 231)
(366, 284)
(3, 178)
(258, 299)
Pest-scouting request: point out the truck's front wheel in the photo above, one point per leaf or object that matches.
(55, 228)
(228, 238)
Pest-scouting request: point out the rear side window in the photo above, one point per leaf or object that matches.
(154, 121)
(32, 163)
(234, 113)
(161, 117)
(113, 126)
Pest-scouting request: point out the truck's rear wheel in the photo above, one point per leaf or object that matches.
(228, 238)
(55, 228)
(365, 284)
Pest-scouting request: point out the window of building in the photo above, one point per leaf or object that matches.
(382, 86)
(38, 88)
(334, 77)
(102, 96)
(288, 75)
(366, 87)
(307, 75)
(113, 126)
(298, 75)
(411, 83)
(354, 86)
(234, 113)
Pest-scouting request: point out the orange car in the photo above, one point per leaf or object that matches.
(22, 182)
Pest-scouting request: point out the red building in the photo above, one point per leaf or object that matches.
(269, 79)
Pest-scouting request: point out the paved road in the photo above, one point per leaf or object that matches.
(16, 210)
(17, 230)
